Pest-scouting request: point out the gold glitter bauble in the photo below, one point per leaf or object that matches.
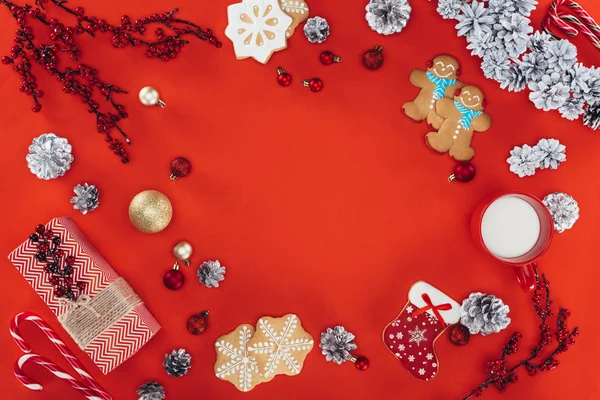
(150, 211)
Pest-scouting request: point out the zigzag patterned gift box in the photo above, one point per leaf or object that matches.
(113, 323)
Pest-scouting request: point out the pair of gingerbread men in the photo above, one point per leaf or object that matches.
(448, 105)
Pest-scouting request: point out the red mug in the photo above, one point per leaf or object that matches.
(495, 229)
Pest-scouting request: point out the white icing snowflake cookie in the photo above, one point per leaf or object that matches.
(299, 12)
(234, 362)
(257, 28)
(280, 345)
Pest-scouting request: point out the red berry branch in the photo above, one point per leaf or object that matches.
(500, 376)
(83, 80)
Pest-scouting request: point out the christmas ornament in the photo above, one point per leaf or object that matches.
(524, 160)
(500, 375)
(438, 81)
(174, 278)
(150, 97)
(299, 12)
(180, 168)
(177, 363)
(373, 59)
(151, 391)
(235, 364)
(316, 30)
(183, 252)
(328, 58)
(197, 323)
(49, 156)
(88, 384)
(577, 20)
(552, 153)
(564, 210)
(210, 273)
(336, 344)
(283, 78)
(150, 211)
(463, 172)
(459, 334)
(484, 314)
(86, 198)
(257, 29)
(83, 80)
(280, 345)
(388, 16)
(361, 363)
(314, 85)
(410, 337)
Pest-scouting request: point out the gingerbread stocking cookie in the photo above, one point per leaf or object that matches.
(439, 81)
(412, 334)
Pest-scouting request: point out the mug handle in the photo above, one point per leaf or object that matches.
(526, 277)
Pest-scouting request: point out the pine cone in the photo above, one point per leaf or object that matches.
(564, 210)
(336, 344)
(316, 29)
(483, 313)
(552, 152)
(86, 199)
(49, 156)
(177, 363)
(388, 16)
(210, 273)
(151, 391)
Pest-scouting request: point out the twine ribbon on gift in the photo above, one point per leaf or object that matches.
(435, 309)
(88, 386)
(576, 21)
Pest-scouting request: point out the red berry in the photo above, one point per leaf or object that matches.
(40, 228)
(6, 60)
(36, 107)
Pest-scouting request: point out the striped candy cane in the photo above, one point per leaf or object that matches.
(572, 24)
(29, 383)
(88, 380)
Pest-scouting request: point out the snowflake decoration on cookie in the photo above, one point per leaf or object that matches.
(281, 346)
(257, 28)
(239, 360)
(417, 336)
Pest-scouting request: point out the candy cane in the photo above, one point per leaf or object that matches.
(582, 21)
(60, 345)
(29, 383)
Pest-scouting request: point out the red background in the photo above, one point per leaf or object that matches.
(327, 205)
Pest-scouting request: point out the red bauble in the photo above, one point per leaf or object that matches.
(174, 279)
(283, 78)
(314, 85)
(328, 58)
(361, 363)
(197, 323)
(180, 167)
(463, 172)
(373, 59)
(459, 334)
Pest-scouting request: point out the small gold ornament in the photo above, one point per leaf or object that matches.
(150, 211)
(183, 252)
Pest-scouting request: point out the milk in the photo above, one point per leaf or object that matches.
(510, 227)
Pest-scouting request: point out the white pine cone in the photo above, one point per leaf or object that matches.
(552, 153)
(86, 198)
(316, 29)
(388, 16)
(484, 314)
(49, 156)
(564, 210)
(210, 273)
(336, 344)
(177, 363)
(151, 391)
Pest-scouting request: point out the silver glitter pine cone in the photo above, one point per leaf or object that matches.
(336, 344)
(210, 273)
(49, 156)
(151, 391)
(388, 16)
(484, 314)
(177, 363)
(86, 198)
(316, 29)
(564, 210)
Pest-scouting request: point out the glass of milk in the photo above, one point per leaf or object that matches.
(515, 229)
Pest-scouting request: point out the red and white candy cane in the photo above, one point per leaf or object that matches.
(573, 22)
(31, 384)
(88, 380)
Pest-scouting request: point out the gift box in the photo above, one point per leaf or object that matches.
(108, 320)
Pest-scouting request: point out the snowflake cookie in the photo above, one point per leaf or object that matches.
(257, 29)
(234, 362)
(299, 12)
(280, 345)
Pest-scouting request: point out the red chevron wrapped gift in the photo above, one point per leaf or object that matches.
(107, 319)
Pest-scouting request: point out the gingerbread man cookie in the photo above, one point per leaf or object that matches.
(462, 116)
(439, 81)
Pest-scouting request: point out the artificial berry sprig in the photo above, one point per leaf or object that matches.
(59, 266)
(500, 376)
